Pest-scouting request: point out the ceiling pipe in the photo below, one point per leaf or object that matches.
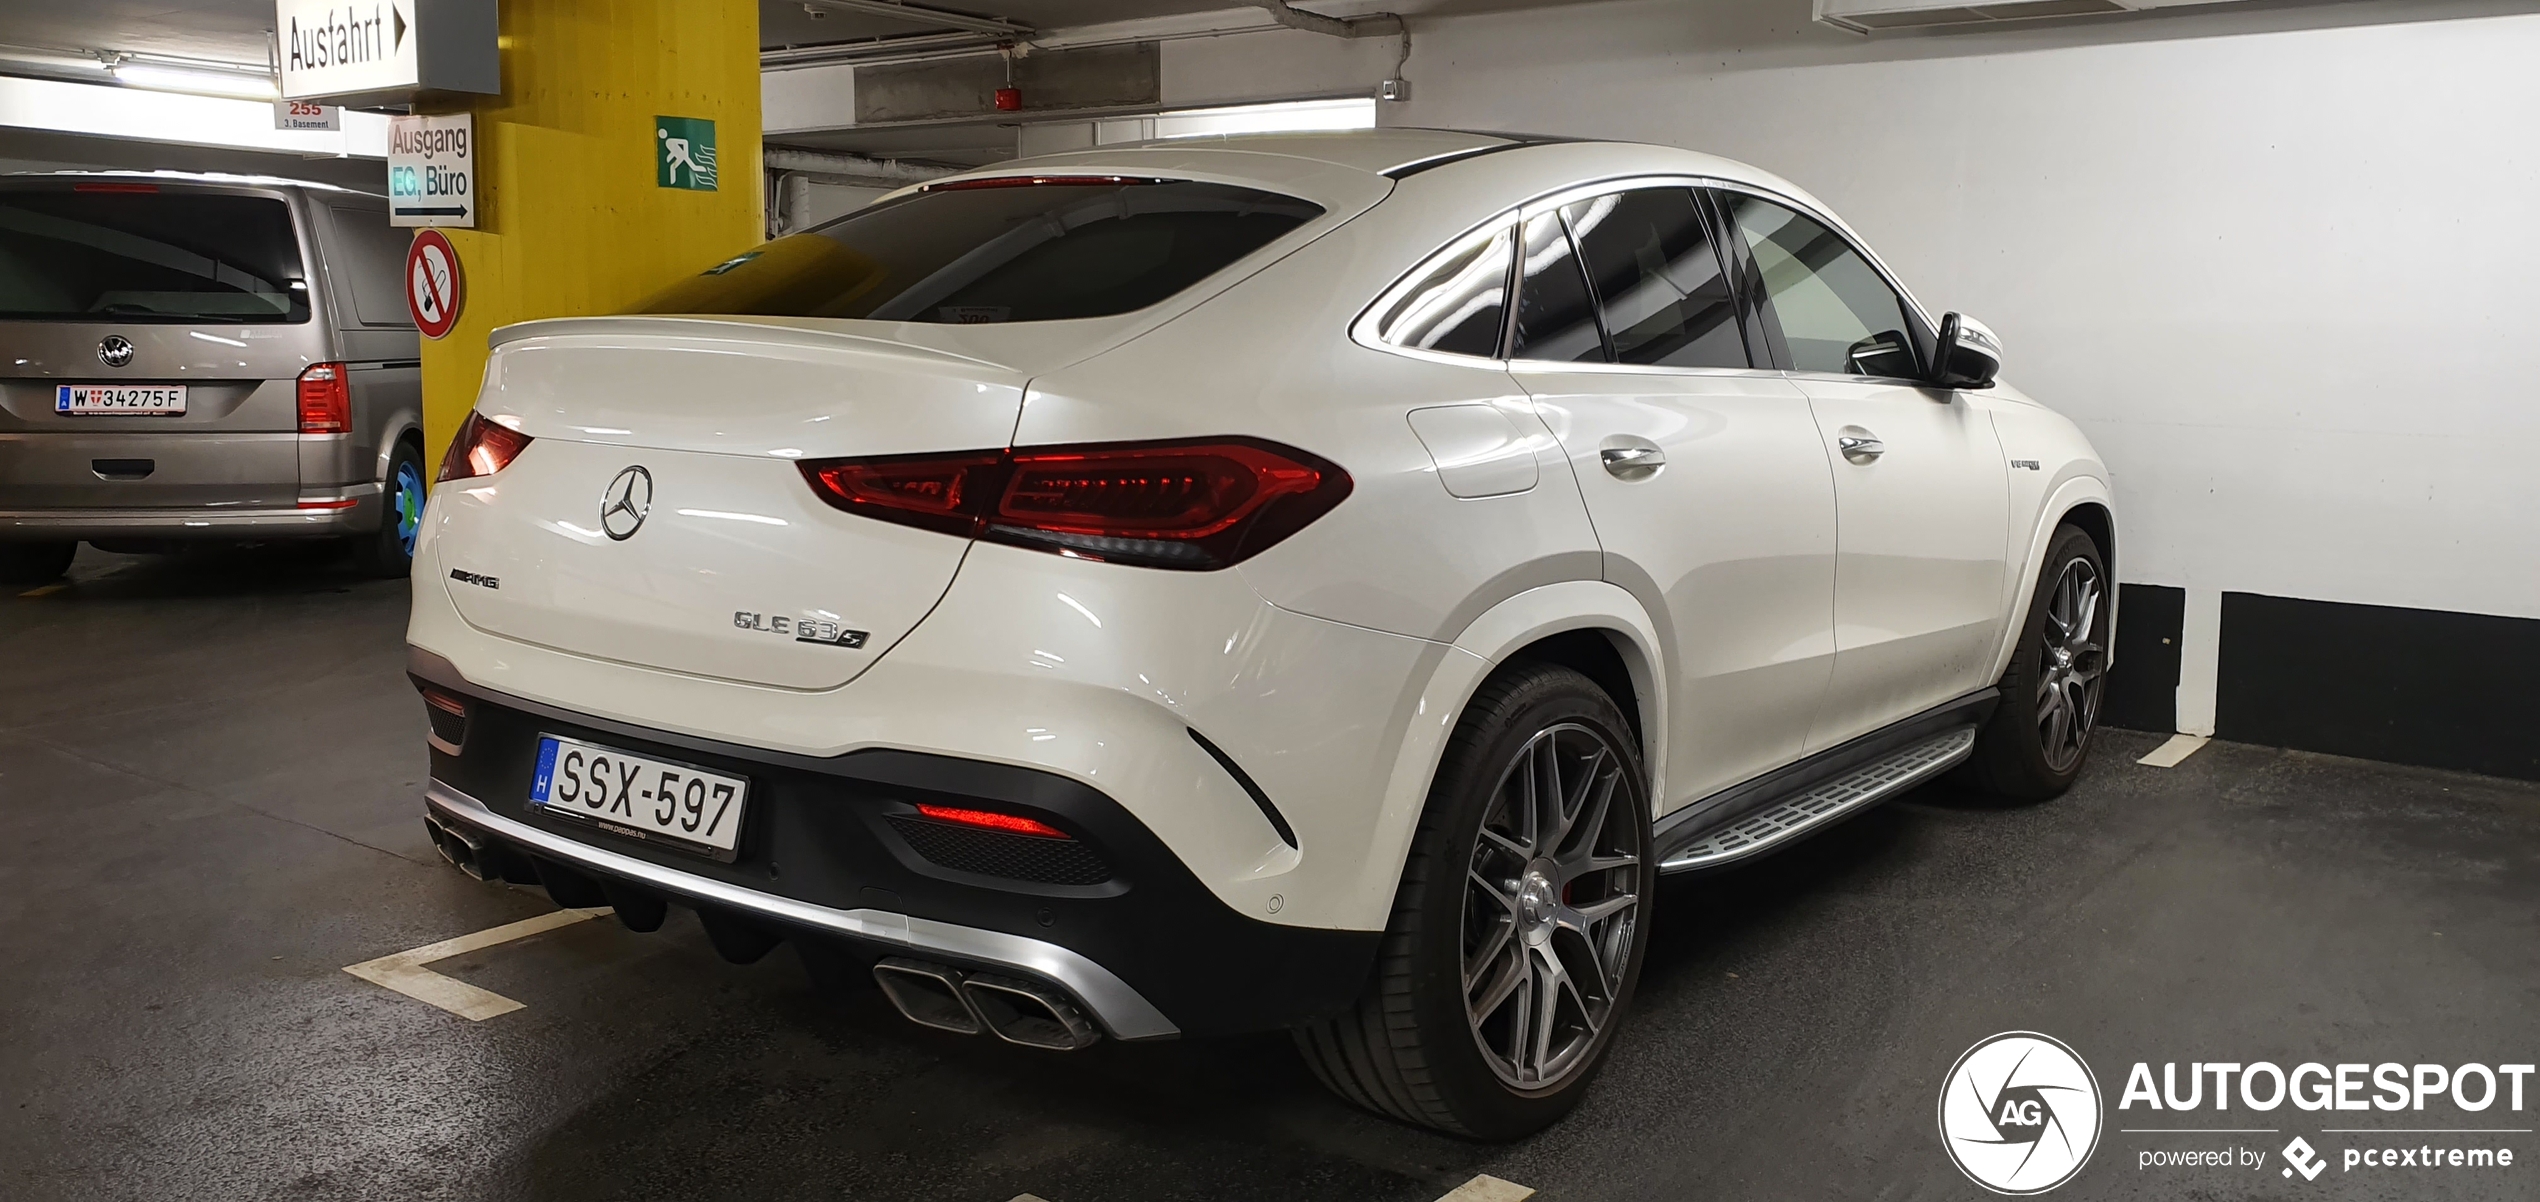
(855, 167)
(1373, 25)
(919, 14)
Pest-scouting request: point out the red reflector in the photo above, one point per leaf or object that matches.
(444, 702)
(1036, 181)
(103, 187)
(992, 820)
(481, 448)
(342, 503)
(1196, 505)
(326, 399)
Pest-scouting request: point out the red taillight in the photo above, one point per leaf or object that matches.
(481, 448)
(326, 399)
(1195, 505)
(991, 820)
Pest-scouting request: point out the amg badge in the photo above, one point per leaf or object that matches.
(814, 627)
(480, 581)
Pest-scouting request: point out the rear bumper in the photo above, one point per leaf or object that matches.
(207, 524)
(826, 852)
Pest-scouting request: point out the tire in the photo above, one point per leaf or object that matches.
(390, 553)
(2039, 736)
(1412, 1047)
(35, 563)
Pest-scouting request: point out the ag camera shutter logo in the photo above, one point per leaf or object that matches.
(2020, 1113)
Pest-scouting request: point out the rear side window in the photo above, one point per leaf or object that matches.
(1456, 303)
(371, 256)
(998, 251)
(1837, 313)
(133, 254)
(1556, 322)
(1665, 297)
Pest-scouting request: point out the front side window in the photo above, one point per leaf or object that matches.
(1456, 303)
(1556, 320)
(999, 250)
(1657, 275)
(1837, 314)
(130, 253)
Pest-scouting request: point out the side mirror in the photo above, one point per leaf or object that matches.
(1969, 356)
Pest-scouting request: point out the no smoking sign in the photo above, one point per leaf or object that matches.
(435, 291)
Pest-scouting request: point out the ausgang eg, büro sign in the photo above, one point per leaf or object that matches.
(431, 170)
(385, 51)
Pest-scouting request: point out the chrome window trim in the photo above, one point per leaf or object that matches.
(1121, 1009)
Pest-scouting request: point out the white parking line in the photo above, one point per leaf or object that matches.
(1486, 1188)
(2167, 755)
(405, 971)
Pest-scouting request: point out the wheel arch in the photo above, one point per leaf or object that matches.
(1598, 628)
(2084, 502)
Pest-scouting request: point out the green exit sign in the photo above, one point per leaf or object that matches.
(683, 153)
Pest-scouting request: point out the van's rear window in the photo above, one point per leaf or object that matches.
(1033, 250)
(134, 255)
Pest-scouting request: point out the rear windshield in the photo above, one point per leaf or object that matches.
(1034, 250)
(148, 256)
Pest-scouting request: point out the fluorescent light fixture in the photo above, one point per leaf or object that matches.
(152, 115)
(1293, 117)
(201, 83)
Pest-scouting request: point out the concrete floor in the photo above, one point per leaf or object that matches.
(209, 779)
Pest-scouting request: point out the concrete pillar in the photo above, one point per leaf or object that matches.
(571, 217)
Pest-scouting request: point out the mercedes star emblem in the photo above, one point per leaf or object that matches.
(115, 351)
(623, 506)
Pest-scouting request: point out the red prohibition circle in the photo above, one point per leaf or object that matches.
(436, 289)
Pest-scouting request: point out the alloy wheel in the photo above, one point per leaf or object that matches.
(406, 506)
(1551, 898)
(2072, 666)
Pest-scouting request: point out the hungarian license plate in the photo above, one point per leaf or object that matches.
(144, 400)
(640, 796)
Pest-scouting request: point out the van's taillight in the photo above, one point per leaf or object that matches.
(326, 399)
(481, 448)
(1197, 505)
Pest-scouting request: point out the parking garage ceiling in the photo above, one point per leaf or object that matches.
(236, 30)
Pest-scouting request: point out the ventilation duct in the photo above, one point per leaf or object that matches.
(1873, 16)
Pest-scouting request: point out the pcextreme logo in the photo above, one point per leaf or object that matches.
(2020, 1113)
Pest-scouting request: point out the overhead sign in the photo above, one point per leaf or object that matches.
(431, 170)
(384, 51)
(683, 153)
(435, 290)
(307, 114)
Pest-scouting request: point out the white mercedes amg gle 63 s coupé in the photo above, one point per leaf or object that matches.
(1305, 581)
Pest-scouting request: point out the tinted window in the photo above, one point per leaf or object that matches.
(1658, 277)
(1836, 312)
(135, 254)
(371, 255)
(1457, 303)
(1042, 251)
(1555, 320)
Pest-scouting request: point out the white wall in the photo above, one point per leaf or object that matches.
(2287, 277)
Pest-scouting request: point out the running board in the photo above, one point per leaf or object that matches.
(1824, 804)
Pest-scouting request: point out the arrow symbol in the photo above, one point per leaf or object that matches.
(397, 19)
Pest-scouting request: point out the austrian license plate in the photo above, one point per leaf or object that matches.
(637, 795)
(143, 400)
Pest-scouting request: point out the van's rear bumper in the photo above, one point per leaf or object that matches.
(331, 517)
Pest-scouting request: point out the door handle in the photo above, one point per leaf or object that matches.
(1862, 447)
(1632, 463)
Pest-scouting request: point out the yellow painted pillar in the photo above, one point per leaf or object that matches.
(572, 217)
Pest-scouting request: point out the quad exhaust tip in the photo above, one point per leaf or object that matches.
(463, 851)
(1017, 1011)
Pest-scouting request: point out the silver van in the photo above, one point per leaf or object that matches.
(200, 357)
